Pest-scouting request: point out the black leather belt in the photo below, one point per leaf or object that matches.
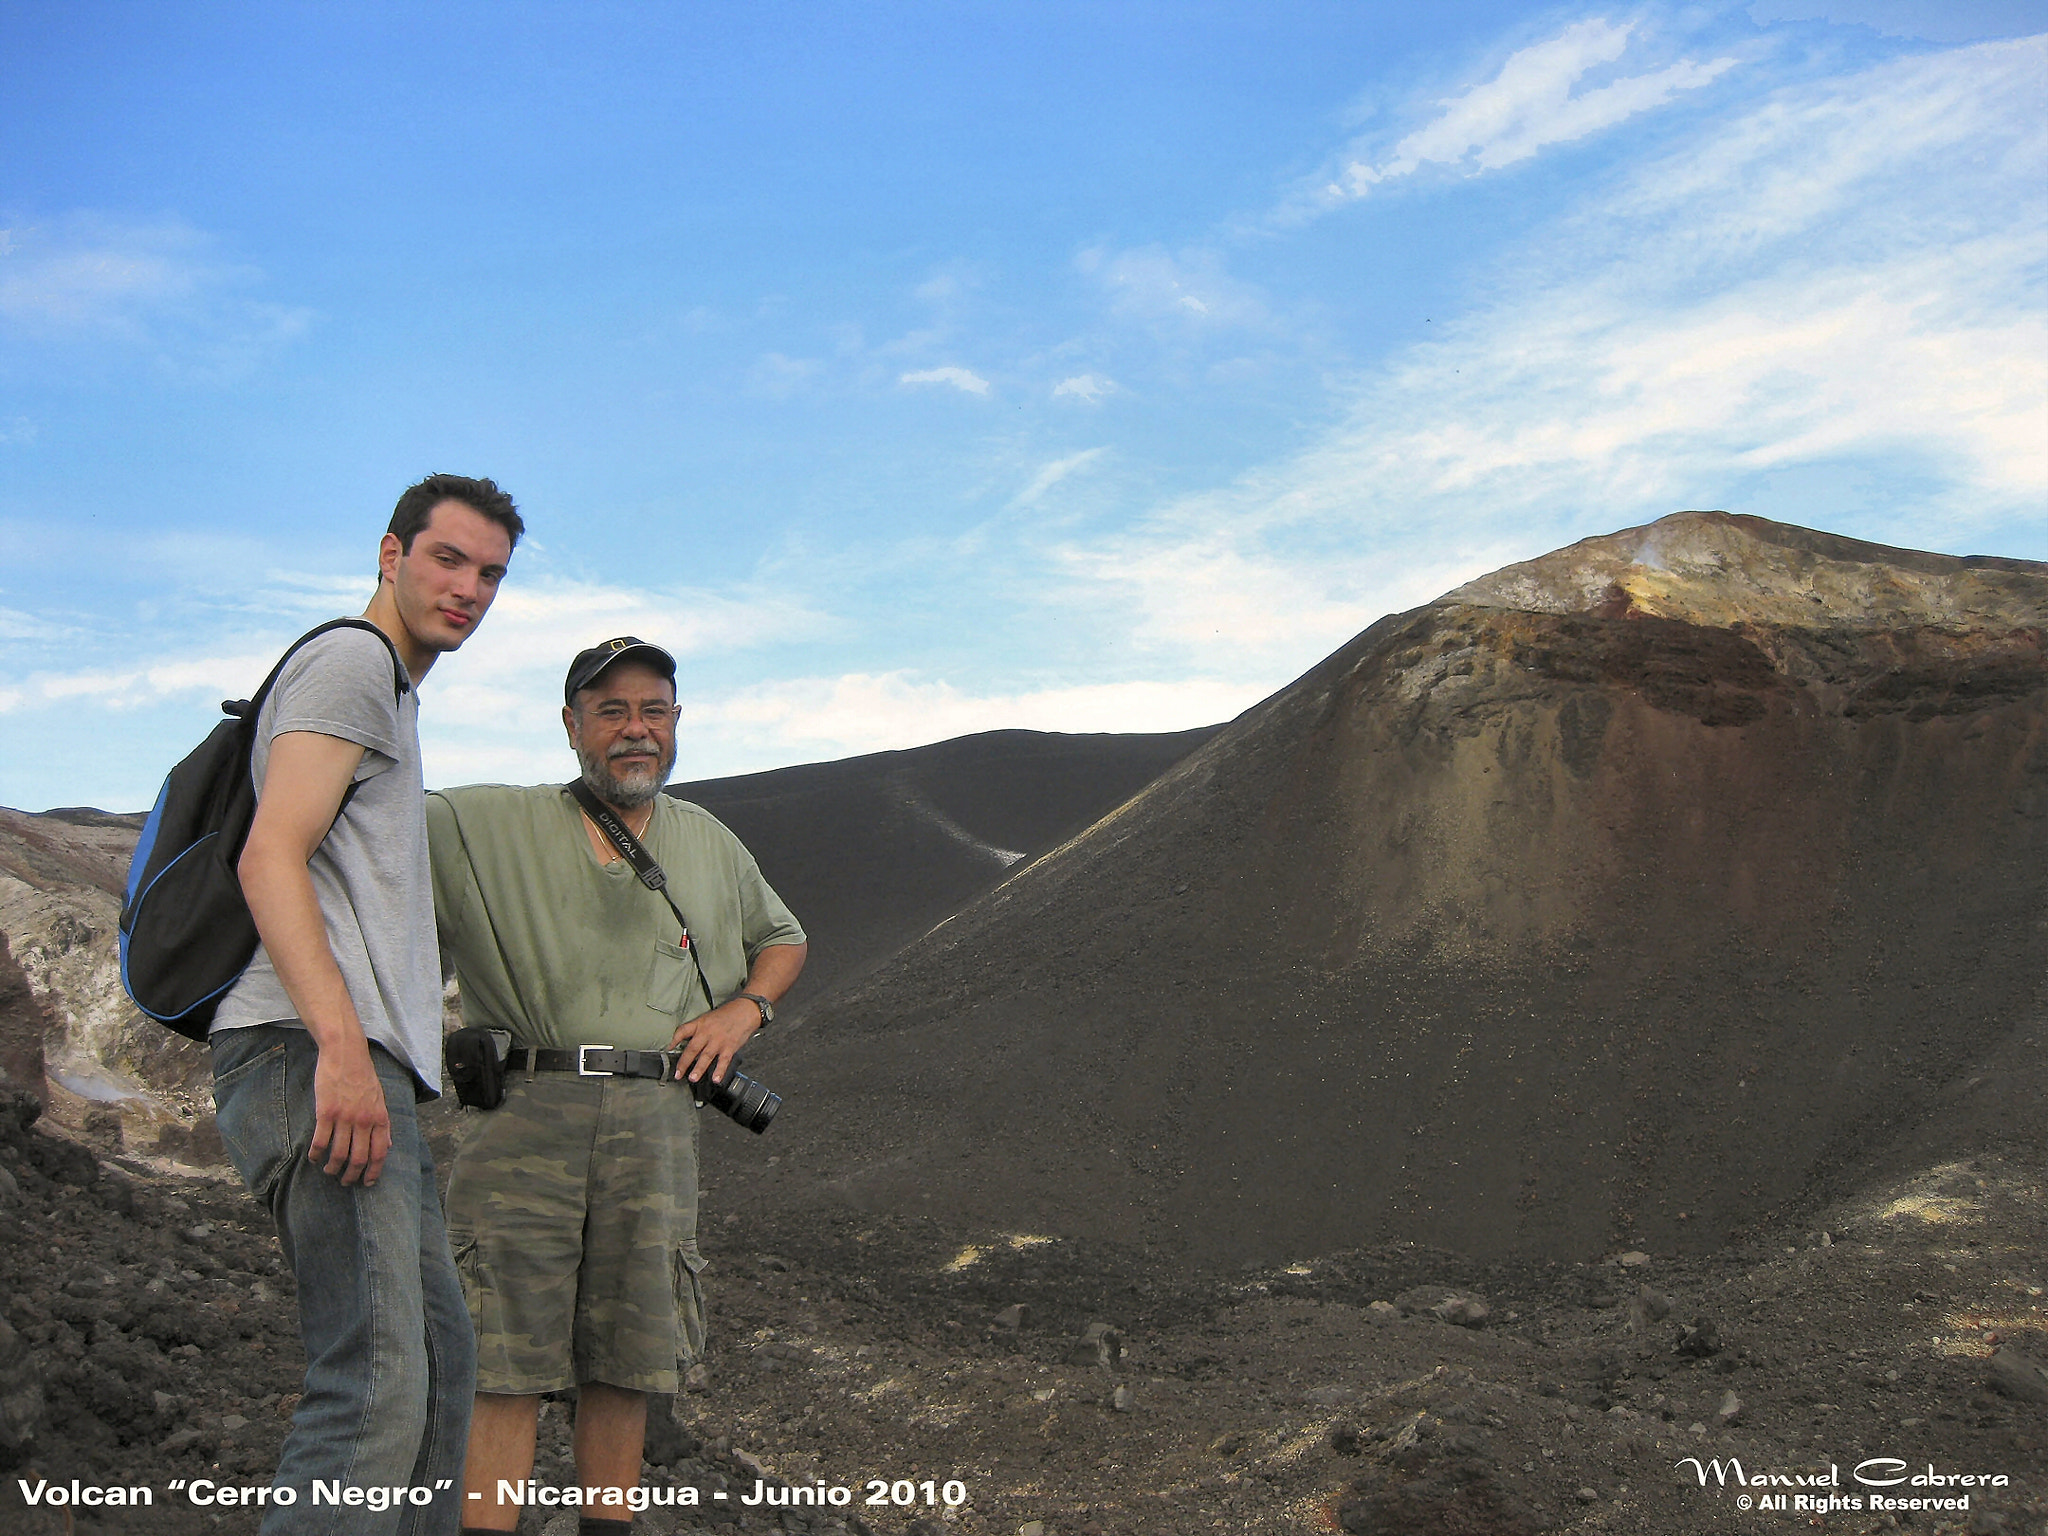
(595, 1061)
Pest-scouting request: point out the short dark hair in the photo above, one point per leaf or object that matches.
(417, 505)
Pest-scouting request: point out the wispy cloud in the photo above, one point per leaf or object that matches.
(1844, 274)
(160, 286)
(221, 673)
(1187, 288)
(957, 378)
(778, 376)
(1088, 388)
(1053, 473)
(15, 625)
(863, 712)
(1539, 98)
(821, 719)
(85, 273)
(533, 630)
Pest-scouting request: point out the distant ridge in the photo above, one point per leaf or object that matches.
(871, 851)
(1623, 897)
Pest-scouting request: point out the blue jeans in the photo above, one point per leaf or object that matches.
(390, 1359)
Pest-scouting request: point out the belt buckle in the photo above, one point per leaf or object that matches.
(582, 1071)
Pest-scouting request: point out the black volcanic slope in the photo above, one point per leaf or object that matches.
(870, 852)
(1619, 899)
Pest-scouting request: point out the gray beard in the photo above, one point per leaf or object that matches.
(606, 786)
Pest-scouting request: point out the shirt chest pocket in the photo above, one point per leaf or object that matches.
(669, 976)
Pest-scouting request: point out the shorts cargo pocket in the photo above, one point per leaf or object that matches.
(689, 1265)
(468, 1267)
(668, 978)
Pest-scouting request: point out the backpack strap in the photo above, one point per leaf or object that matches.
(247, 709)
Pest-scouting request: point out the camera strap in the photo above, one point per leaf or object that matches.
(651, 874)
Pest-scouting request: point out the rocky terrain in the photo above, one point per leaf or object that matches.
(1584, 1035)
(1059, 1383)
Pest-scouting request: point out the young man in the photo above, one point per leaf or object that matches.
(334, 1032)
(573, 1205)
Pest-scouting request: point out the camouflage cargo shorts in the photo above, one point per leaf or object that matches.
(572, 1211)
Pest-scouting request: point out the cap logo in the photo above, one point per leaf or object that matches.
(620, 645)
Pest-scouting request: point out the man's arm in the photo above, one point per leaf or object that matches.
(303, 785)
(711, 1040)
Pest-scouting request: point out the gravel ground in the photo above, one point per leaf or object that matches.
(1015, 1380)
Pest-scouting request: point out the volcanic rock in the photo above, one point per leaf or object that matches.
(2018, 1375)
(23, 1023)
(1618, 900)
(1459, 1308)
(1649, 1307)
(61, 879)
(1100, 1344)
(21, 1399)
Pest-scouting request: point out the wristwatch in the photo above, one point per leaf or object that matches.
(767, 1008)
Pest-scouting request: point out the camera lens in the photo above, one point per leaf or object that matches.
(741, 1099)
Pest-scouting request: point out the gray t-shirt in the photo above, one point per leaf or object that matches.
(370, 873)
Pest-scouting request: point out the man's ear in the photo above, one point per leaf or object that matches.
(388, 555)
(569, 723)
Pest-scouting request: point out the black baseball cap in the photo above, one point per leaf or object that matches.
(584, 669)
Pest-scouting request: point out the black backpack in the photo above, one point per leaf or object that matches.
(186, 932)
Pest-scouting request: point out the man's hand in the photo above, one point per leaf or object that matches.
(711, 1040)
(351, 1122)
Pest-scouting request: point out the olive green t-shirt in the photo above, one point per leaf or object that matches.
(563, 950)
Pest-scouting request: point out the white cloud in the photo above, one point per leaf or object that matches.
(159, 286)
(532, 631)
(16, 625)
(1088, 388)
(822, 718)
(223, 674)
(1874, 294)
(958, 378)
(537, 625)
(778, 376)
(1052, 474)
(819, 719)
(1189, 288)
(1531, 105)
(1939, 21)
(97, 275)
(1839, 281)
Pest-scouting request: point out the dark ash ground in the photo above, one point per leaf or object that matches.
(1319, 1396)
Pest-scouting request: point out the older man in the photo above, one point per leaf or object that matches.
(573, 1207)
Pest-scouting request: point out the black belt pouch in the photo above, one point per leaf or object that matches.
(475, 1058)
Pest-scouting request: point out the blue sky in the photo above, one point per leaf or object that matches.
(914, 369)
